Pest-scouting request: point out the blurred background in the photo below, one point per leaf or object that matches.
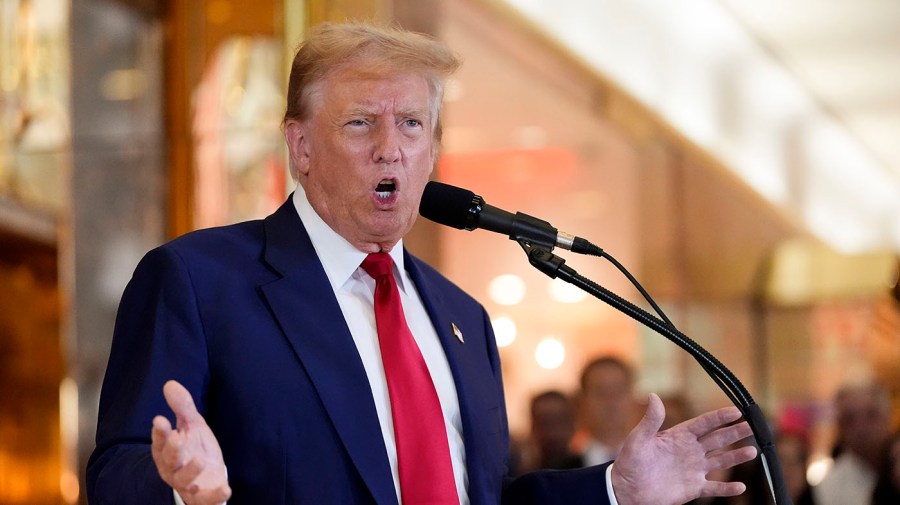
(741, 158)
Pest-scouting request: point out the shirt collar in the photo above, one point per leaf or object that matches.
(338, 256)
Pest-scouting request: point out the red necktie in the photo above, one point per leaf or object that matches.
(423, 452)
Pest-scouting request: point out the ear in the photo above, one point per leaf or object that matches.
(295, 136)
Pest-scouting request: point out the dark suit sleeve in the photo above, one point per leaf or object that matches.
(559, 487)
(548, 487)
(158, 336)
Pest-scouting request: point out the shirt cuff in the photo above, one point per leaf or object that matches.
(609, 487)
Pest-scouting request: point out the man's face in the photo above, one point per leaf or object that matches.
(552, 425)
(365, 154)
(863, 422)
(608, 402)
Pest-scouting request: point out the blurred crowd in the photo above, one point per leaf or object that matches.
(587, 427)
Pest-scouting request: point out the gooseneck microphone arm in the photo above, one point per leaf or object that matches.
(553, 266)
(463, 209)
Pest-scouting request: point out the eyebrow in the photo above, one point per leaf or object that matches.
(359, 111)
(415, 112)
(362, 110)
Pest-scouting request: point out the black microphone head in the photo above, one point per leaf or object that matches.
(450, 206)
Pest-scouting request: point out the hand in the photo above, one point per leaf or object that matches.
(188, 458)
(671, 467)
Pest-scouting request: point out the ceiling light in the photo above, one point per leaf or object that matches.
(550, 353)
(563, 292)
(504, 330)
(507, 289)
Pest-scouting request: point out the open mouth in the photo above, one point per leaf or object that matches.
(385, 188)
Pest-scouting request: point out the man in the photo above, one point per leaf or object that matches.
(863, 411)
(608, 407)
(262, 338)
(552, 429)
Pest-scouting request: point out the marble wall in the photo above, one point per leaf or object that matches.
(118, 193)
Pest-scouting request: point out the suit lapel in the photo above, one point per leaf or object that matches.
(467, 377)
(308, 313)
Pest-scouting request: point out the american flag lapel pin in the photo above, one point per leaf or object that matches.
(457, 333)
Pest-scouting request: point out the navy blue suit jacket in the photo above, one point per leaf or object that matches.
(244, 317)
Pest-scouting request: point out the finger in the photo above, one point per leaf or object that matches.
(166, 458)
(173, 455)
(728, 459)
(703, 424)
(713, 488)
(181, 403)
(652, 420)
(161, 428)
(183, 478)
(167, 446)
(723, 437)
(163, 444)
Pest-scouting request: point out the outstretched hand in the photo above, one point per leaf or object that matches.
(670, 467)
(188, 457)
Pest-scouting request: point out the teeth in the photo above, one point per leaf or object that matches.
(385, 188)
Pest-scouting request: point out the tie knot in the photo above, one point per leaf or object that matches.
(378, 265)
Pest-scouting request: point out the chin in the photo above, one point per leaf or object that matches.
(389, 227)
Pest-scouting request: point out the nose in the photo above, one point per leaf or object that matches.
(387, 144)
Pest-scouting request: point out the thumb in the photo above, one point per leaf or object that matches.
(653, 418)
(181, 403)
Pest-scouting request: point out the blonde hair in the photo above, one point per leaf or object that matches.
(366, 49)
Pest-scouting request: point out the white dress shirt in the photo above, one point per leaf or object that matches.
(355, 292)
(850, 480)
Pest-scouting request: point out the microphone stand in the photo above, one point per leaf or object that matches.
(553, 266)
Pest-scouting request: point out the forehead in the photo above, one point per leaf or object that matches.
(606, 372)
(861, 403)
(551, 403)
(355, 88)
(856, 401)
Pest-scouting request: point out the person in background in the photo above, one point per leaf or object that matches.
(887, 489)
(863, 431)
(308, 358)
(678, 409)
(608, 407)
(552, 429)
(793, 451)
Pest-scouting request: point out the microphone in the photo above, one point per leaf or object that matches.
(464, 210)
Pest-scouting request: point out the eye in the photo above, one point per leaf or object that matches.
(412, 123)
(356, 122)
